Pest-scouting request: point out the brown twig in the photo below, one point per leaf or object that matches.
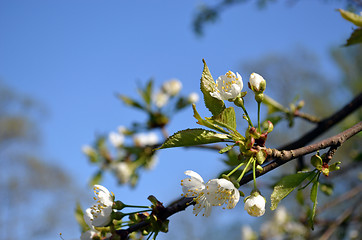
(284, 156)
(306, 116)
(326, 124)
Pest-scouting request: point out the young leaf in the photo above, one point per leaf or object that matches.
(227, 117)
(208, 85)
(285, 186)
(227, 148)
(352, 17)
(192, 137)
(79, 216)
(206, 122)
(313, 197)
(147, 93)
(130, 102)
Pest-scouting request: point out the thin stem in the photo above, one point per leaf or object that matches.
(135, 206)
(246, 167)
(234, 170)
(317, 174)
(136, 212)
(259, 116)
(254, 177)
(149, 236)
(247, 115)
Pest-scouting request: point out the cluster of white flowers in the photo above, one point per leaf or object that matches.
(145, 139)
(283, 227)
(229, 86)
(215, 192)
(169, 89)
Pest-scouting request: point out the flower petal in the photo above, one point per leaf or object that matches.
(194, 175)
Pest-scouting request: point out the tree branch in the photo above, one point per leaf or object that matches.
(289, 152)
(326, 124)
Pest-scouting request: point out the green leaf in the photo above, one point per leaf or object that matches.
(147, 93)
(192, 137)
(355, 38)
(79, 216)
(227, 148)
(130, 102)
(285, 186)
(182, 103)
(96, 178)
(207, 122)
(208, 85)
(227, 117)
(352, 17)
(313, 197)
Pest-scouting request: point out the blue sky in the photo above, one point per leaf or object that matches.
(73, 56)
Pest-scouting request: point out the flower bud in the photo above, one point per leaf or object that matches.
(255, 204)
(316, 161)
(257, 83)
(334, 166)
(260, 157)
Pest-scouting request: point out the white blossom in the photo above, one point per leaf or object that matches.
(228, 86)
(99, 215)
(215, 192)
(255, 204)
(145, 139)
(226, 194)
(88, 235)
(281, 215)
(116, 139)
(193, 97)
(88, 150)
(160, 99)
(172, 87)
(122, 171)
(247, 233)
(255, 80)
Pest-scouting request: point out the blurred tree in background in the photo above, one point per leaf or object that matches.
(32, 186)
